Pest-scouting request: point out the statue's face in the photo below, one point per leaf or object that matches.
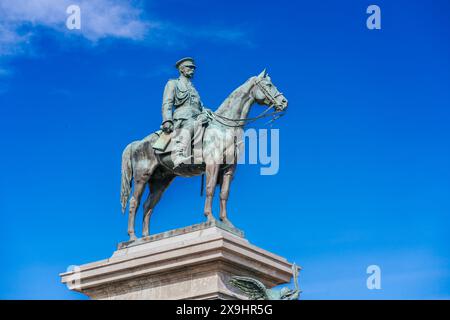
(187, 70)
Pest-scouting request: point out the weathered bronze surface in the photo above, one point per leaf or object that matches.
(183, 111)
(256, 290)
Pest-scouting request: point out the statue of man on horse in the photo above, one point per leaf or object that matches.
(182, 110)
(145, 163)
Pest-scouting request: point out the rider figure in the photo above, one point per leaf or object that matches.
(182, 110)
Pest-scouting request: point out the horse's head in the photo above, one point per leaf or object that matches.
(267, 94)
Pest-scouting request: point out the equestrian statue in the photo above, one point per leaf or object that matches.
(193, 141)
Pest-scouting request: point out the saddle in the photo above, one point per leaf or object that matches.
(165, 145)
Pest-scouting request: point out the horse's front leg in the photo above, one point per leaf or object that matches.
(212, 171)
(224, 193)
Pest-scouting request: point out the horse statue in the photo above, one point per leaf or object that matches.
(144, 165)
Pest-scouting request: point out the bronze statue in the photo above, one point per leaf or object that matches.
(219, 137)
(256, 290)
(181, 95)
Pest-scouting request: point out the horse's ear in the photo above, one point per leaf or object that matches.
(263, 74)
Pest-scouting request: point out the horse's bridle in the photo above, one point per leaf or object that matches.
(273, 104)
(268, 94)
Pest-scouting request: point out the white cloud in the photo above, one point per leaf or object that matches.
(99, 19)
(12, 42)
(46, 12)
(23, 20)
(106, 18)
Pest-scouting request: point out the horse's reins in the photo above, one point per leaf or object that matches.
(275, 115)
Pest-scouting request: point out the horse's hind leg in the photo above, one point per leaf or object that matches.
(157, 188)
(135, 200)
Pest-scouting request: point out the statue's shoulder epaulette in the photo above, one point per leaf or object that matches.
(172, 82)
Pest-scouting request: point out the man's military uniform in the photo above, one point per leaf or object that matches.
(181, 96)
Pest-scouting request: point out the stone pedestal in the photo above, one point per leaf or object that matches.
(195, 262)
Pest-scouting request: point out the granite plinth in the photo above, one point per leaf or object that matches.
(195, 262)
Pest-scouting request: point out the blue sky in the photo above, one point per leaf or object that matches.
(364, 149)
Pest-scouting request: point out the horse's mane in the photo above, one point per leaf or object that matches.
(236, 92)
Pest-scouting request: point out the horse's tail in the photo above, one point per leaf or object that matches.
(127, 176)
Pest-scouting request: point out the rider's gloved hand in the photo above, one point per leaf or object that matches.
(203, 117)
(167, 127)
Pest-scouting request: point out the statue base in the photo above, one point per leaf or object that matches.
(195, 262)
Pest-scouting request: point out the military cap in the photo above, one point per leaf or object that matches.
(186, 61)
